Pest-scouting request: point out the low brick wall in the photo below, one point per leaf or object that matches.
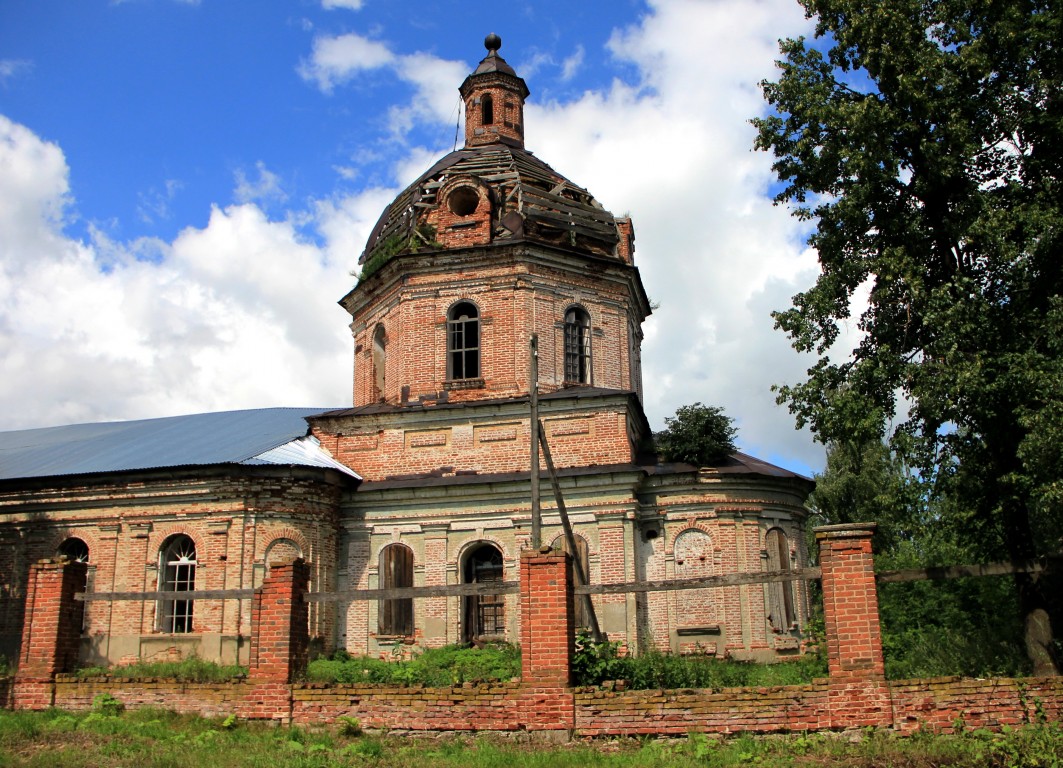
(677, 712)
(207, 699)
(942, 703)
(938, 704)
(490, 707)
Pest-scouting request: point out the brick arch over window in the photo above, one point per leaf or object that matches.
(781, 612)
(74, 548)
(693, 554)
(463, 342)
(282, 549)
(178, 560)
(395, 616)
(577, 344)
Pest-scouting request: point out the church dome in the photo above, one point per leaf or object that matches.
(493, 191)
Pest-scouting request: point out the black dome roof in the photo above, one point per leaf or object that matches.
(530, 201)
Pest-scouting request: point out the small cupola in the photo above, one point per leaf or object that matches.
(494, 100)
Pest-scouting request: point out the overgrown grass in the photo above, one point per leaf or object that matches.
(451, 665)
(191, 670)
(595, 663)
(158, 739)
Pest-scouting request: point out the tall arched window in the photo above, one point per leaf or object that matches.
(484, 615)
(395, 617)
(177, 573)
(463, 341)
(380, 360)
(577, 346)
(487, 109)
(780, 594)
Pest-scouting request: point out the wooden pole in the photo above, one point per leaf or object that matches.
(570, 539)
(533, 388)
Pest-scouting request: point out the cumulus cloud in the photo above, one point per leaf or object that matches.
(239, 313)
(335, 60)
(675, 150)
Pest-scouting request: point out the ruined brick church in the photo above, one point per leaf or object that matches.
(425, 481)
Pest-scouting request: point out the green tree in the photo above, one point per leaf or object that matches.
(698, 434)
(923, 139)
(929, 628)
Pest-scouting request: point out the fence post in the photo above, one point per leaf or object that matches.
(858, 694)
(280, 641)
(51, 630)
(547, 641)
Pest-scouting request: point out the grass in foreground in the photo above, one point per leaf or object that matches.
(157, 739)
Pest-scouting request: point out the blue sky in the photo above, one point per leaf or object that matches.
(185, 187)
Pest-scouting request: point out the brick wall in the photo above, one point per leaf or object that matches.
(855, 695)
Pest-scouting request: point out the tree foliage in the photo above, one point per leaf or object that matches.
(967, 626)
(698, 434)
(923, 139)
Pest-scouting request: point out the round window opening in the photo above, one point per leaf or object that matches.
(463, 201)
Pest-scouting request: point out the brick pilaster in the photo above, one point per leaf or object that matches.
(51, 632)
(858, 693)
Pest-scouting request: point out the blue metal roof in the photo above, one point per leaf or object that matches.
(228, 437)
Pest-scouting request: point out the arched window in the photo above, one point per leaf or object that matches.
(395, 617)
(487, 109)
(577, 346)
(463, 341)
(380, 359)
(582, 554)
(781, 593)
(177, 573)
(484, 615)
(74, 549)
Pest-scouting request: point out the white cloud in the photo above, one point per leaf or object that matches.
(239, 313)
(265, 189)
(335, 60)
(571, 65)
(675, 150)
(351, 5)
(12, 68)
(154, 204)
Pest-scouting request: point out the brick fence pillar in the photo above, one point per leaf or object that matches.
(858, 694)
(547, 642)
(51, 630)
(280, 641)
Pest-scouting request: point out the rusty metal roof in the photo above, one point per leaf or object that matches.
(531, 201)
(278, 436)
